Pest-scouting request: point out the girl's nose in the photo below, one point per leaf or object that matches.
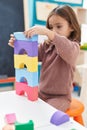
(54, 30)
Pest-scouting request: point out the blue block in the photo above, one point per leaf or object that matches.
(30, 77)
(21, 36)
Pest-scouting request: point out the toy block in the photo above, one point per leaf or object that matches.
(30, 62)
(59, 117)
(21, 47)
(31, 77)
(21, 36)
(10, 118)
(24, 126)
(26, 53)
(32, 92)
(19, 61)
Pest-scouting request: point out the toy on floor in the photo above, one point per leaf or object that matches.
(59, 117)
(26, 65)
(24, 126)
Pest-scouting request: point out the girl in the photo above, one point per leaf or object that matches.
(58, 56)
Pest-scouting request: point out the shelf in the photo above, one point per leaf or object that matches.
(36, 11)
(7, 80)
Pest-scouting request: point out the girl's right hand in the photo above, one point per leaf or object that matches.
(11, 41)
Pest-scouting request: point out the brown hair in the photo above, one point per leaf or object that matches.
(69, 15)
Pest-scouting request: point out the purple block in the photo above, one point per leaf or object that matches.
(29, 47)
(59, 117)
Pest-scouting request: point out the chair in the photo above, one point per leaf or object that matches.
(75, 111)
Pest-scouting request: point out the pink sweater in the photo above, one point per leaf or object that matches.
(58, 66)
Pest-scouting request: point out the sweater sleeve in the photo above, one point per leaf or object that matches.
(68, 50)
(40, 52)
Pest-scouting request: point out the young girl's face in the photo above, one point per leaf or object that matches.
(60, 25)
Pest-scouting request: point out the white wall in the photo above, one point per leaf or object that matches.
(85, 3)
(84, 27)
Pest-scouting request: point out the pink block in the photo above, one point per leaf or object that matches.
(10, 118)
(32, 92)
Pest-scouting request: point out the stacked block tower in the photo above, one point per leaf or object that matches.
(26, 65)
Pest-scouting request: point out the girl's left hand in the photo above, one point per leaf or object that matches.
(36, 30)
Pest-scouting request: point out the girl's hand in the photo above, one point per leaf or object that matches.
(11, 41)
(8, 127)
(39, 30)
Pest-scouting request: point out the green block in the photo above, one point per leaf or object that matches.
(24, 126)
(73, 129)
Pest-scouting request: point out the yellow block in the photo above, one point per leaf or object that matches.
(30, 62)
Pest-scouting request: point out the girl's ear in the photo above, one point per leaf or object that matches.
(71, 29)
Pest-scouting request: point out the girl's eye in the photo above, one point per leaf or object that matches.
(50, 27)
(59, 26)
